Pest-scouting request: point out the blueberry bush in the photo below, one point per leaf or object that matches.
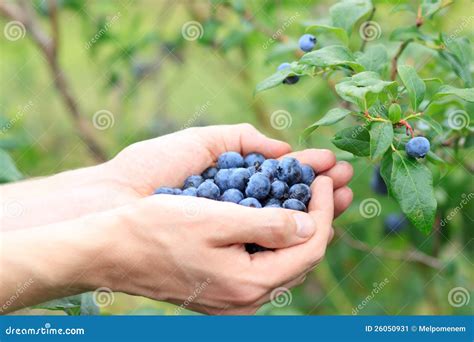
(386, 85)
(394, 109)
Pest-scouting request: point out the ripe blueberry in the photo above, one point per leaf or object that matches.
(394, 223)
(417, 147)
(289, 171)
(165, 190)
(222, 179)
(273, 203)
(279, 189)
(377, 183)
(253, 159)
(252, 248)
(290, 79)
(189, 192)
(209, 173)
(232, 195)
(258, 186)
(250, 202)
(208, 190)
(307, 42)
(307, 175)
(301, 192)
(230, 160)
(238, 178)
(269, 168)
(193, 181)
(294, 204)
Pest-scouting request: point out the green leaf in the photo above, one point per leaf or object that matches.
(429, 7)
(467, 94)
(381, 136)
(375, 58)
(412, 186)
(458, 54)
(8, 170)
(413, 83)
(330, 57)
(336, 31)
(386, 169)
(435, 125)
(81, 304)
(346, 13)
(364, 88)
(355, 140)
(331, 117)
(407, 33)
(434, 158)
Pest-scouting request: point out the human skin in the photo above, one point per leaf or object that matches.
(162, 246)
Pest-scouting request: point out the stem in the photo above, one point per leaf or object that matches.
(408, 127)
(364, 41)
(393, 74)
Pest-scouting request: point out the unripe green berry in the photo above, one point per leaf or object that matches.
(395, 112)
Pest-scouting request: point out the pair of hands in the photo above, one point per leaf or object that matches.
(112, 233)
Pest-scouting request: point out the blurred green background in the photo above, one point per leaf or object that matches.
(138, 62)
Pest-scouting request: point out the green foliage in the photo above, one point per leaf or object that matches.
(78, 305)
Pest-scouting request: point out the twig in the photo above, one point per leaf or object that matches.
(49, 46)
(410, 256)
(366, 24)
(393, 74)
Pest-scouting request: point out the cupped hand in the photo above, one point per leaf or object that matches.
(190, 251)
(170, 159)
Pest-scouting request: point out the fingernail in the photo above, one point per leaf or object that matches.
(304, 225)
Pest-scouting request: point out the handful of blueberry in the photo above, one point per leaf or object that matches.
(252, 181)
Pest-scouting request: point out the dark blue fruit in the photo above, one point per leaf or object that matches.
(307, 42)
(417, 147)
(189, 192)
(269, 168)
(294, 204)
(253, 159)
(250, 202)
(258, 186)
(232, 195)
(290, 79)
(394, 223)
(301, 192)
(209, 173)
(377, 183)
(208, 190)
(230, 160)
(238, 178)
(273, 203)
(307, 174)
(278, 189)
(252, 248)
(252, 170)
(165, 190)
(193, 181)
(222, 179)
(289, 171)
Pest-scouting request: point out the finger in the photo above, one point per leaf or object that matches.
(269, 227)
(242, 138)
(319, 159)
(287, 263)
(281, 294)
(341, 174)
(342, 200)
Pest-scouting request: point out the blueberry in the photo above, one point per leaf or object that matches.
(252, 248)
(208, 190)
(394, 223)
(417, 147)
(190, 192)
(210, 172)
(254, 159)
(232, 195)
(301, 192)
(165, 190)
(178, 191)
(294, 204)
(377, 183)
(258, 186)
(230, 160)
(307, 42)
(193, 181)
(290, 79)
(238, 178)
(252, 170)
(307, 174)
(279, 189)
(222, 179)
(289, 171)
(269, 168)
(273, 203)
(250, 202)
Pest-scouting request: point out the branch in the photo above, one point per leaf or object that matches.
(366, 24)
(393, 74)
(410, 256)
(49, 46)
